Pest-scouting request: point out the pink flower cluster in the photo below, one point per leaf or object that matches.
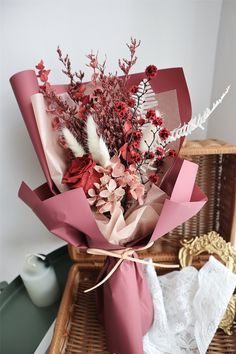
(116, 183)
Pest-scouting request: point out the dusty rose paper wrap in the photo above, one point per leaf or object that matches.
(124, 303)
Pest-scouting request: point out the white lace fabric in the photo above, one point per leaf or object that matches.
(188, 307)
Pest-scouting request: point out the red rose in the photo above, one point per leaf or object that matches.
(151, 71)
(81, 173)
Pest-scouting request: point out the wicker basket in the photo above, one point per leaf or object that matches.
(217, 179)
(77, 329)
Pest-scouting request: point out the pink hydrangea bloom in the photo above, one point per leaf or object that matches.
(114, 184)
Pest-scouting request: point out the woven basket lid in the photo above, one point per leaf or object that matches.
(206, 147)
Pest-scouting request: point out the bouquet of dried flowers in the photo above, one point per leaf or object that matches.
(109, 149)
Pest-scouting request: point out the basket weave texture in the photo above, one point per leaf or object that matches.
(77, 329)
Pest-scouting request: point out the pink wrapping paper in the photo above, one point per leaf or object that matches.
(127, 295)
(124, 302)
(67, 215)
(24, 85)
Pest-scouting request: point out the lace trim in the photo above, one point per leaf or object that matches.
(188, 307)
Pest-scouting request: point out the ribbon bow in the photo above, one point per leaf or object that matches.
(123, 255)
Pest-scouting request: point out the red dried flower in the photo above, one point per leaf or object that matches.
(40, 65)
(157, 121)
(133, 89)
(136, 157)
(160, 153)
(149, 155)
(82, 111)
(172, 153)
(44, 75)
(164, 133)
(141, 121)
(97, 92)
(151, 71)
(153, 178)
(137, 135)
(47, 87)
(121, 114)
(131, 102)
(80, 92)
(151, 114)
(85, 100)
(120, 108)
(136, 144)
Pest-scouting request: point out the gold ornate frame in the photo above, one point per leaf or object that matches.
(212, 243)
